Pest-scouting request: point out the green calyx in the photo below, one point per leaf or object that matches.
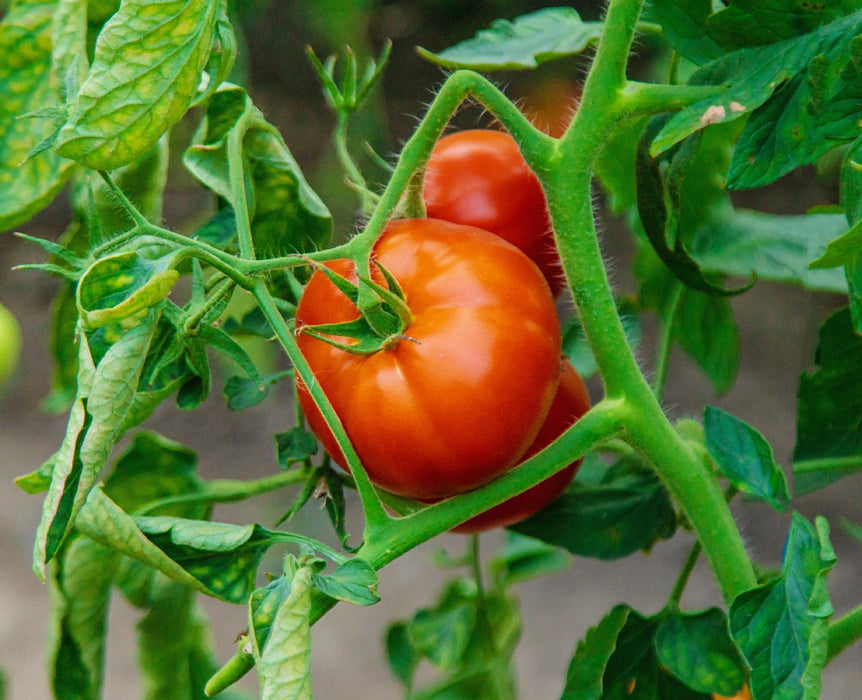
(383, 315)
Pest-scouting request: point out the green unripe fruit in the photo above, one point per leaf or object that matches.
(10, 344)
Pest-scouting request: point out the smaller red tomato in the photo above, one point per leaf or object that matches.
(550, 105)
(479, 178)
(570, 403)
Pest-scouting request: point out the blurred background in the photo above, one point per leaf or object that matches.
(778, 325)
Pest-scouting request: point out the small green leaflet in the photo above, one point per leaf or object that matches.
(136, 90)
(122, 286)
(526, 42)
(745, 457)
(781, 627)
(27, 185)
(829, 424)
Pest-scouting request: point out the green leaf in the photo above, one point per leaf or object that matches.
(28, 84)
(633, 671)
(294, 445)
(706, 329)
(525, 558)
(174, 644)
(683, 22)
(354, 581)
(151, 469)
(703, 324)
(524, 43)
(696, 648)
(283, 662)
(745, 458)
(842, 250)
(145, 74)
(801, 94)
(123, 286)
(222, 556)
(742, 242)
(104, 521)
(403, 659)
(781, 627)
(105, 395)
(625, 510)
(442, 634)
(851, 200)
(243, 392)
(829, 424)
(69, 45)
(587, 667)
(81, 590)
(660, 202)
(756, 22)
(287, 216)
(615, 166)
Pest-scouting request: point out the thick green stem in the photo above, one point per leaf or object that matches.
(844, 632)
(601, 423)
(567, 180)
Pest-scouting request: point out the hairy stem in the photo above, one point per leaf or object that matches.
(567, 180)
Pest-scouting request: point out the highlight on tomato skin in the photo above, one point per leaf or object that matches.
(461, 398)
(570, 403)
(478, 177)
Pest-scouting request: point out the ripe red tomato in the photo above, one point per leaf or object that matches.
(479, 178)
(570, 403)
(456, 403)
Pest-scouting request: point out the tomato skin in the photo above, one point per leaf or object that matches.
(479, 178)
(459, 401)
(570, 403)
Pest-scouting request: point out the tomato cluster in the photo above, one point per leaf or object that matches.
(475, 383)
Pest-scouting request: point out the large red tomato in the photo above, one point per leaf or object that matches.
(570, 403)
(458, 401)
(479, 178)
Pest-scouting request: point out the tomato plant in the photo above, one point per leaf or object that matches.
(479, 178)
(415, 345)
(570, 402)
(435, 412)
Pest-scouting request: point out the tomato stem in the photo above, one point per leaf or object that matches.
(666, 339)
(844, 632)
